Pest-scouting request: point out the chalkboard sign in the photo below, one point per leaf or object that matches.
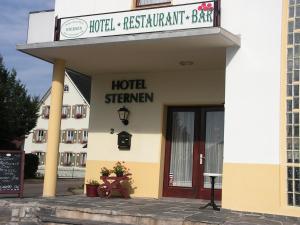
(12, 172)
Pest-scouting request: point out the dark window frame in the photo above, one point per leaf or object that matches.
(138, 5)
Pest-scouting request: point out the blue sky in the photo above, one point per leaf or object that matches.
(34, 73)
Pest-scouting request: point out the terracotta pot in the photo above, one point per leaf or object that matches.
(92, 190)
(120, 174)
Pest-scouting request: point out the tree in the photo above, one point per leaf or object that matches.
(18, 109)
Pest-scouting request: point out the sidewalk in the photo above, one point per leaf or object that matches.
(83, 210)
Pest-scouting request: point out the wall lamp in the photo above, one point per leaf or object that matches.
(123, 115)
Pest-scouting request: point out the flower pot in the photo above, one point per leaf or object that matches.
(91, 190)
(120, 174)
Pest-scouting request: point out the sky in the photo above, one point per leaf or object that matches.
(34, 73)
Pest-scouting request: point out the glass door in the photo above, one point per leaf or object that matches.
(181, 150)
(212, 151)
(194, 145)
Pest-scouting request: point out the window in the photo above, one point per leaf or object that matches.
(293, 186)
(293, 106)
(151, 2)
(69, 136)
(81, 159)
(66, 88)
(65, 113)
(67, 159)
(39, 136)
(83, 136)
(41, 156)
(79, 111)
(46, 112)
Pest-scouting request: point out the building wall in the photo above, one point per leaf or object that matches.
(87, 7)
(253, 177)
(70, 98)
(146, 156)
(252, 164)
(41, 27)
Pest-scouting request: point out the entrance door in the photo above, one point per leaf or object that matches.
(194, 146)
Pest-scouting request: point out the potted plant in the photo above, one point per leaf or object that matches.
(120, 169)
(92, 188)
(105, 172)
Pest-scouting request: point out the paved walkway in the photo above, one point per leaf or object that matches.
(83, 210)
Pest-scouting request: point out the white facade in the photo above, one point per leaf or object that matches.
(253, 82)
(72, 97)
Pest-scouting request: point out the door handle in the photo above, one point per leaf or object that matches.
(201, 159)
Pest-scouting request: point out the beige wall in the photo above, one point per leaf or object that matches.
(146, 119)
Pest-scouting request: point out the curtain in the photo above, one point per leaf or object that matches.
(214, 143)
(182, 144)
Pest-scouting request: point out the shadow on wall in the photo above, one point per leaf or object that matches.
(188, 88)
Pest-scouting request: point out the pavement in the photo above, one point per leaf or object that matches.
(79, 210)
(34, 187)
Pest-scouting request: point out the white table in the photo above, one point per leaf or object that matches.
(212, 192)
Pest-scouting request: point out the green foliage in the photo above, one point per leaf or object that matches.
(18, 109)
(31, 166)
(92, 182)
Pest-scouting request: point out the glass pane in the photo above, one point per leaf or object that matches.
(291, 26)
(290, 199)
(296, 75)
(214, 143)
(297, 172)
(182, 145)
(290, 172)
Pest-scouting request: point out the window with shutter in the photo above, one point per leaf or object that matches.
(61, 159)
(40, 136)
(63, 136)
(41, 156)
(78, 112)
(70, 136)
(68, 158)
(45, 136)
(79, 139)
(84, 111)
(73, 157)
(81, 159)
(46, 112)
(85, 136)
(69, 112)
(77, 159)
(75, 136)
(34, 136)
(66, 88)
(73, 111)
(64, 112)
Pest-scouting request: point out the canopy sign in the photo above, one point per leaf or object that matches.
(196, 15)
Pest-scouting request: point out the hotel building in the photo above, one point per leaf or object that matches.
(212, 88)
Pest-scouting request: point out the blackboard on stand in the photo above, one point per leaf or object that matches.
(12, 172)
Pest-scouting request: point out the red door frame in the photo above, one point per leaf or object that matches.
(197, 190)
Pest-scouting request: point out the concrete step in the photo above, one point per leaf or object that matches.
(50, 220)
(66, 216)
